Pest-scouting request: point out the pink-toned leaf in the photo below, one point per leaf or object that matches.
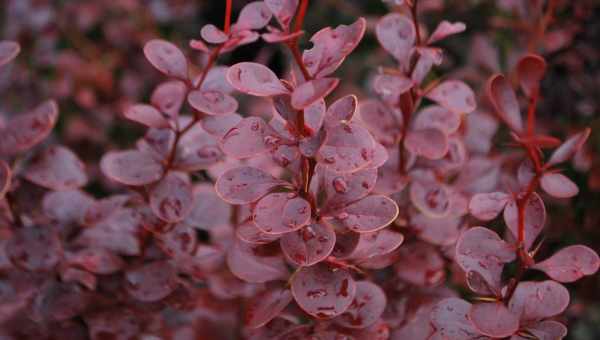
(366, 308)
(375, 244)
(431, 198)
(246, 262)
(255, 79)
(454, 95)
(494, 319)
(504, 100)
(391, 86)
(569, 147)
(213, 35)
(558, 185)
(322, 291)
(384, 124)
(179, 242)
(341, 110)
(344, 188)
(531, 69)
(570, 264)
(445, 29)
(57, 168)
(169, 96)
(27, 130)
(482, 251)
(370, 214)
(219, 125)
(197, 150)
(209, 210)
(95, 260)
(396, 34)
(5, 178)
(117, 322)
(308, 245)
(66, 206)
(313, 90)
(216, 79)
(146, 115)
(244, 185)
(280, 213)
(131, 167)
(212, 102)
(438, 118)
(158, 143)
(345, 243)
(167, 58)
(250, 233)
(253, 16)
(440, 231)
(450, 318)
(424, 64)
(429, 143)
(347, 147)
(34, 248)
(486, 206)
(331, 46)
(152, 281)
(8, 51)
(534, 219)
(538, 300)
(544, 330)
(420, 264)
(267, 306)
(251, 136)
(283, 10)
(171, 199)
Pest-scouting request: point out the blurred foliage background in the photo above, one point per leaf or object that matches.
(88, 55)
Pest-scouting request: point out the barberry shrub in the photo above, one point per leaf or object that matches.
(280, 205)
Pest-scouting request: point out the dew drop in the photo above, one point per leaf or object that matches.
(340, 185)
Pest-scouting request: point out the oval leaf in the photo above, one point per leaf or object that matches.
(366, 308)
(281, 213)
(504, 100)
(172, 198)
(313, 90)
(308, 245)
(255, 79)
(454, 95)
(486, 206)
(57, 168)
(27, 130)
(131, 167)
(8, 51)
(167, 58)
(570, 264)
(494, 319)
(212, 102)
(558, 185)
(244, 185)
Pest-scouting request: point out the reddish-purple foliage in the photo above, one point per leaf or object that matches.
(337, 216)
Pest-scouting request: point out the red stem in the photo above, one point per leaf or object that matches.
(416, 22)
(531, 112)
(300, 17)
(227, 24)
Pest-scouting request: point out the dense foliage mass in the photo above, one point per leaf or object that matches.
(264, 201)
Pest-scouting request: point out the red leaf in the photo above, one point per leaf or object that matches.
(213, 35)
(544, 330)
(486, 206)
(570, 264)
(531, 69)
(250, 233)
(308, 245)
(396, 34)
(569, 148)
(212, 102)
(451, 321)
(558, 185)
(482, 251)
(344, 188)
(5, 178)
(445, 29)
(535, 217)
(219, 125)
(331, 46)
(255, 79)
(323, 292)
(131, 167)
(504, 100)
(494, 319)
(35, 248)
(429, 143)
(266, 306)
(347, 147)
(244, 262)
(538, 300)
(96, 260)
(171, 199)
(27, 130)
(432, 199)
(255, 15)
(366, 308)
(151, 282)
(313, 90)
(439, 118)
(391, 86)
(167, 58)
(169, 96)
(8, 51)
(57, 168)
(283, 10)
(146, 115)
(454, 95)
(341, 110)
(250, 137)
(280, 213)
(244, 185)
(366, 215)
